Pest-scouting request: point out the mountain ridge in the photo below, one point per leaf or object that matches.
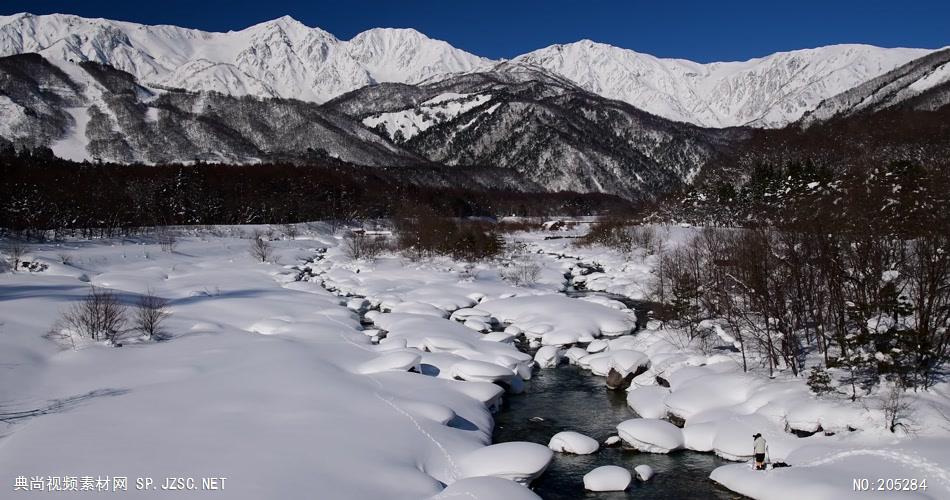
(285, 58)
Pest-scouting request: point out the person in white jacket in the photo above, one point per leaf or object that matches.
(759, 448)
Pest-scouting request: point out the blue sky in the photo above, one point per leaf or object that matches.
(698, 30)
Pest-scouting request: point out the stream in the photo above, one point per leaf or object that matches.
(569, 398)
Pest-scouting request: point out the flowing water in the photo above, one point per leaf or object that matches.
(568, 398)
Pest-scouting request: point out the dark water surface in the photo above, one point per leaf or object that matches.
(570, 399)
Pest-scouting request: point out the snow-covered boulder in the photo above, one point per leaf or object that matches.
(418, 308)
(648, 401)
(597, 346)
(477, 325)
(500, 337)
(617, 327)
(628, 361)
(607, 478)
(444, 344)
(574, 354)
(651, 435)
(548, 356)
(471, 313)
(518, 461)
(644, 472)
(480, 371)
(573, 442)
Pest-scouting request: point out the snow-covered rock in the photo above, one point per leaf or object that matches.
(644, 472)
(480, 371)
(573, 442)
(549, 356)
(648, 401)
(607, 478)
(651, 435)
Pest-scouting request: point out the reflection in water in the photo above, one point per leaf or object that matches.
(568, 398)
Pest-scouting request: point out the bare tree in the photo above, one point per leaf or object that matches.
(150, 311)
(291, 231)
(521, 270)
(98, 316)
(16, 251)
(260, 248)
(167, 240)
(65, 258)
(897, 408)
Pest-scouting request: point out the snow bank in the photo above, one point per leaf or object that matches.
(486, 488)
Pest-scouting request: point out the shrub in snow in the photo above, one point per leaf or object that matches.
(518, 461)
(651, 435)
(573, 442)
(15, 251)
(98, 316)
(607, 478)
(260, 248)
(149, 314)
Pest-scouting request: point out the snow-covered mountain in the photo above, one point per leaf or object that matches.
(767, 92)
(284, 58)
(89, 111)
(547, 129)
(279, 58)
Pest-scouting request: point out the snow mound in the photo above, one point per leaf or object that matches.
(607, 478)
(651, 435)
(573, 442)
(556, 319)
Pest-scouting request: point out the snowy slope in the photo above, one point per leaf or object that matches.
(767, 92)
(279, 58)
(921, 84)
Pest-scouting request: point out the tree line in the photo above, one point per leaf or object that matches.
(40, 194)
